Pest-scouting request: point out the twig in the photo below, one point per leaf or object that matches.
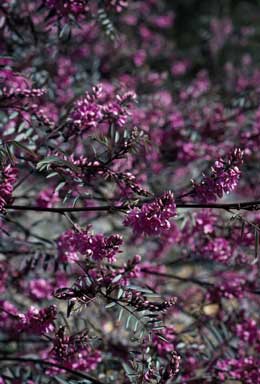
(247, 205)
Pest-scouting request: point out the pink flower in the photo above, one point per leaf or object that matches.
(73, 244)
(117, 5)
(99, 107)
(205, 221)
(229, 286)
(199, 86)
(74, 352)
(218, 250)
(8, 316)
(40, 289)
(179, 68)
(222, 179)
(152, 218)
(246, 369)
(248, 331)
(47, 198)
(7, 180)
(65, 7)
(163, 341)
(165, 21)
(87, 113)
(38, 321)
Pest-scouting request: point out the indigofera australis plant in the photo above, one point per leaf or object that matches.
(129, 196)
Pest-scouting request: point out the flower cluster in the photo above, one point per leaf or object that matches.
(72, 244)
(229, 286)
(164, 341)
(205, 221)
(8, 175)
(8, 316)
(218, 249)
(223, 178)
(47, 198)
(65, 7)
(248, 331)
(117, 5)
(152, 218)
(244, 369)
(101, 268)
(87, 113)
(81, 7)
(38, 321)
(92, 110)
(40, 289)
(16, 87)
(74, 352)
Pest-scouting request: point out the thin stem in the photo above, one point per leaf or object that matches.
(179, 278)
(247, 205)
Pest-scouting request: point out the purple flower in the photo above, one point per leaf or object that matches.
(87, 113)
(40, 289)
(15, 87)
(74, 352)
(248, 331)
(8, 316)
(222, 179)
(152, 218)
(218, 249)
(117, 5)
(7, 179)
(199, 86)
(65, 7)
(47, 198)
(205, 221)
(163, 341)
(229, 286)
(71, 244)
(246, 369)
(115, 112)
(92, 110)
(38, 321)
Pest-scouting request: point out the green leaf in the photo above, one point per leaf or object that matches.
(65, 33)
(128, 321)
(59, 186)
(116, 278)
(23, 147)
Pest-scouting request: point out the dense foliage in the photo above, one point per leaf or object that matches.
(129, 191)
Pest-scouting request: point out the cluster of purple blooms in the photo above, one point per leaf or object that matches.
(152, 218)
(47, 198)
(38, 321)
(68, 6)
(218, 249)
(229, 286)
(73, 352)
(35, 321)
(8, 176)
(100, 158)
(164, 341)
(249, 332)
(244, 369)
(98, 247)
(79, 7)
(222, 179)
(93, 109)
